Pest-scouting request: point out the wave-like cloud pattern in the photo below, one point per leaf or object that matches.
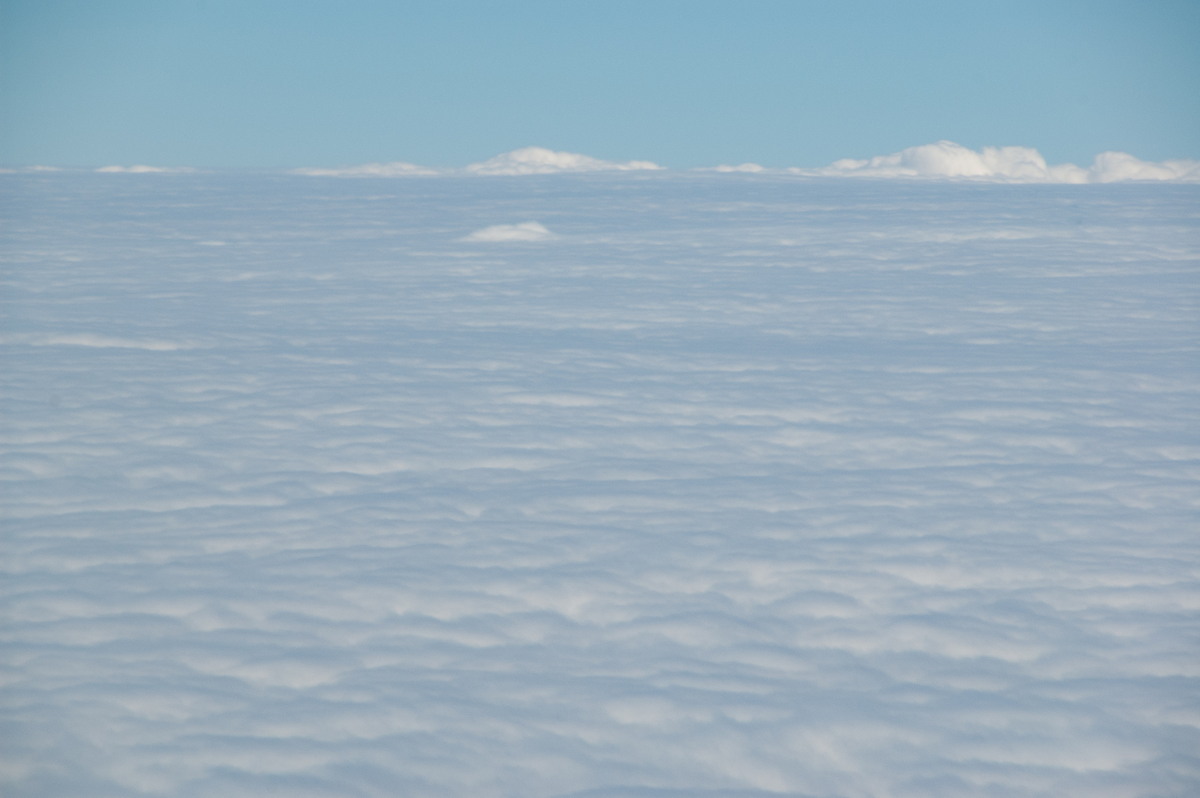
(733, 487)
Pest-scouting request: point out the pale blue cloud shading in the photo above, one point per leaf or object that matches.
(737, 485)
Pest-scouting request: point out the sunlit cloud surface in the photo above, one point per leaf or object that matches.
(631, 484)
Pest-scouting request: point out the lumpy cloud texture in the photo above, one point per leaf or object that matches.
(137, 169)
(945, 159)
(738, 485)
(389, 169)
(539, 160)
(524, 161)
(942, 160)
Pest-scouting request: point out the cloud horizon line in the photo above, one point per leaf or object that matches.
(940, 160)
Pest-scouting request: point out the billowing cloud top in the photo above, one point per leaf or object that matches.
(940, 160)
(945, 159)
(541, 161)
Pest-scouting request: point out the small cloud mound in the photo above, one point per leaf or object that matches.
(1112, 166)
(35, 169)
(525, 161)
(742, 167)
(391, 169)
(526, 231)
(142, 169)
(541, 161)
(946, 159)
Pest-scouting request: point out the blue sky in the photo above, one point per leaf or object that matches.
(297, 83)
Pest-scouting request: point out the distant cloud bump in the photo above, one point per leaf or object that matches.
(946, 159)
(525, 161)
(540, 161)
(939, 160)
(391, 169)
(139, 169)
(526, 231)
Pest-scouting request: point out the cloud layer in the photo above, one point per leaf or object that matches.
(863, 490)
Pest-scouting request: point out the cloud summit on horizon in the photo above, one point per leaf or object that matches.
(523, 161)
(946, 159)
(939, 160)
(541, 161)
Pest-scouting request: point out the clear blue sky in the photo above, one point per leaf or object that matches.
(271, 83)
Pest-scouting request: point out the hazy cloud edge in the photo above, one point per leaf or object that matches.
(939, 160)
(944, 160)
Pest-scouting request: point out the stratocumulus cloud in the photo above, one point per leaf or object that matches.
(745, 487)
(946, 159)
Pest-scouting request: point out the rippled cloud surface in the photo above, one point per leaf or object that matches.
(637, 484)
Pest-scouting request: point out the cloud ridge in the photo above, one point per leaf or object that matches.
(142, 169)
(523, 161)
(541, 161)
(940, 160)
(389, 169)
(947, 159)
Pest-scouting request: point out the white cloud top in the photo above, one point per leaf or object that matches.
(946, 159)
(526, 231)
(142, 169)
(541, 161)
(31, 169)
(939, 160)
(1109, 167)
(742, 167)
(525, 161)
(391, 169)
